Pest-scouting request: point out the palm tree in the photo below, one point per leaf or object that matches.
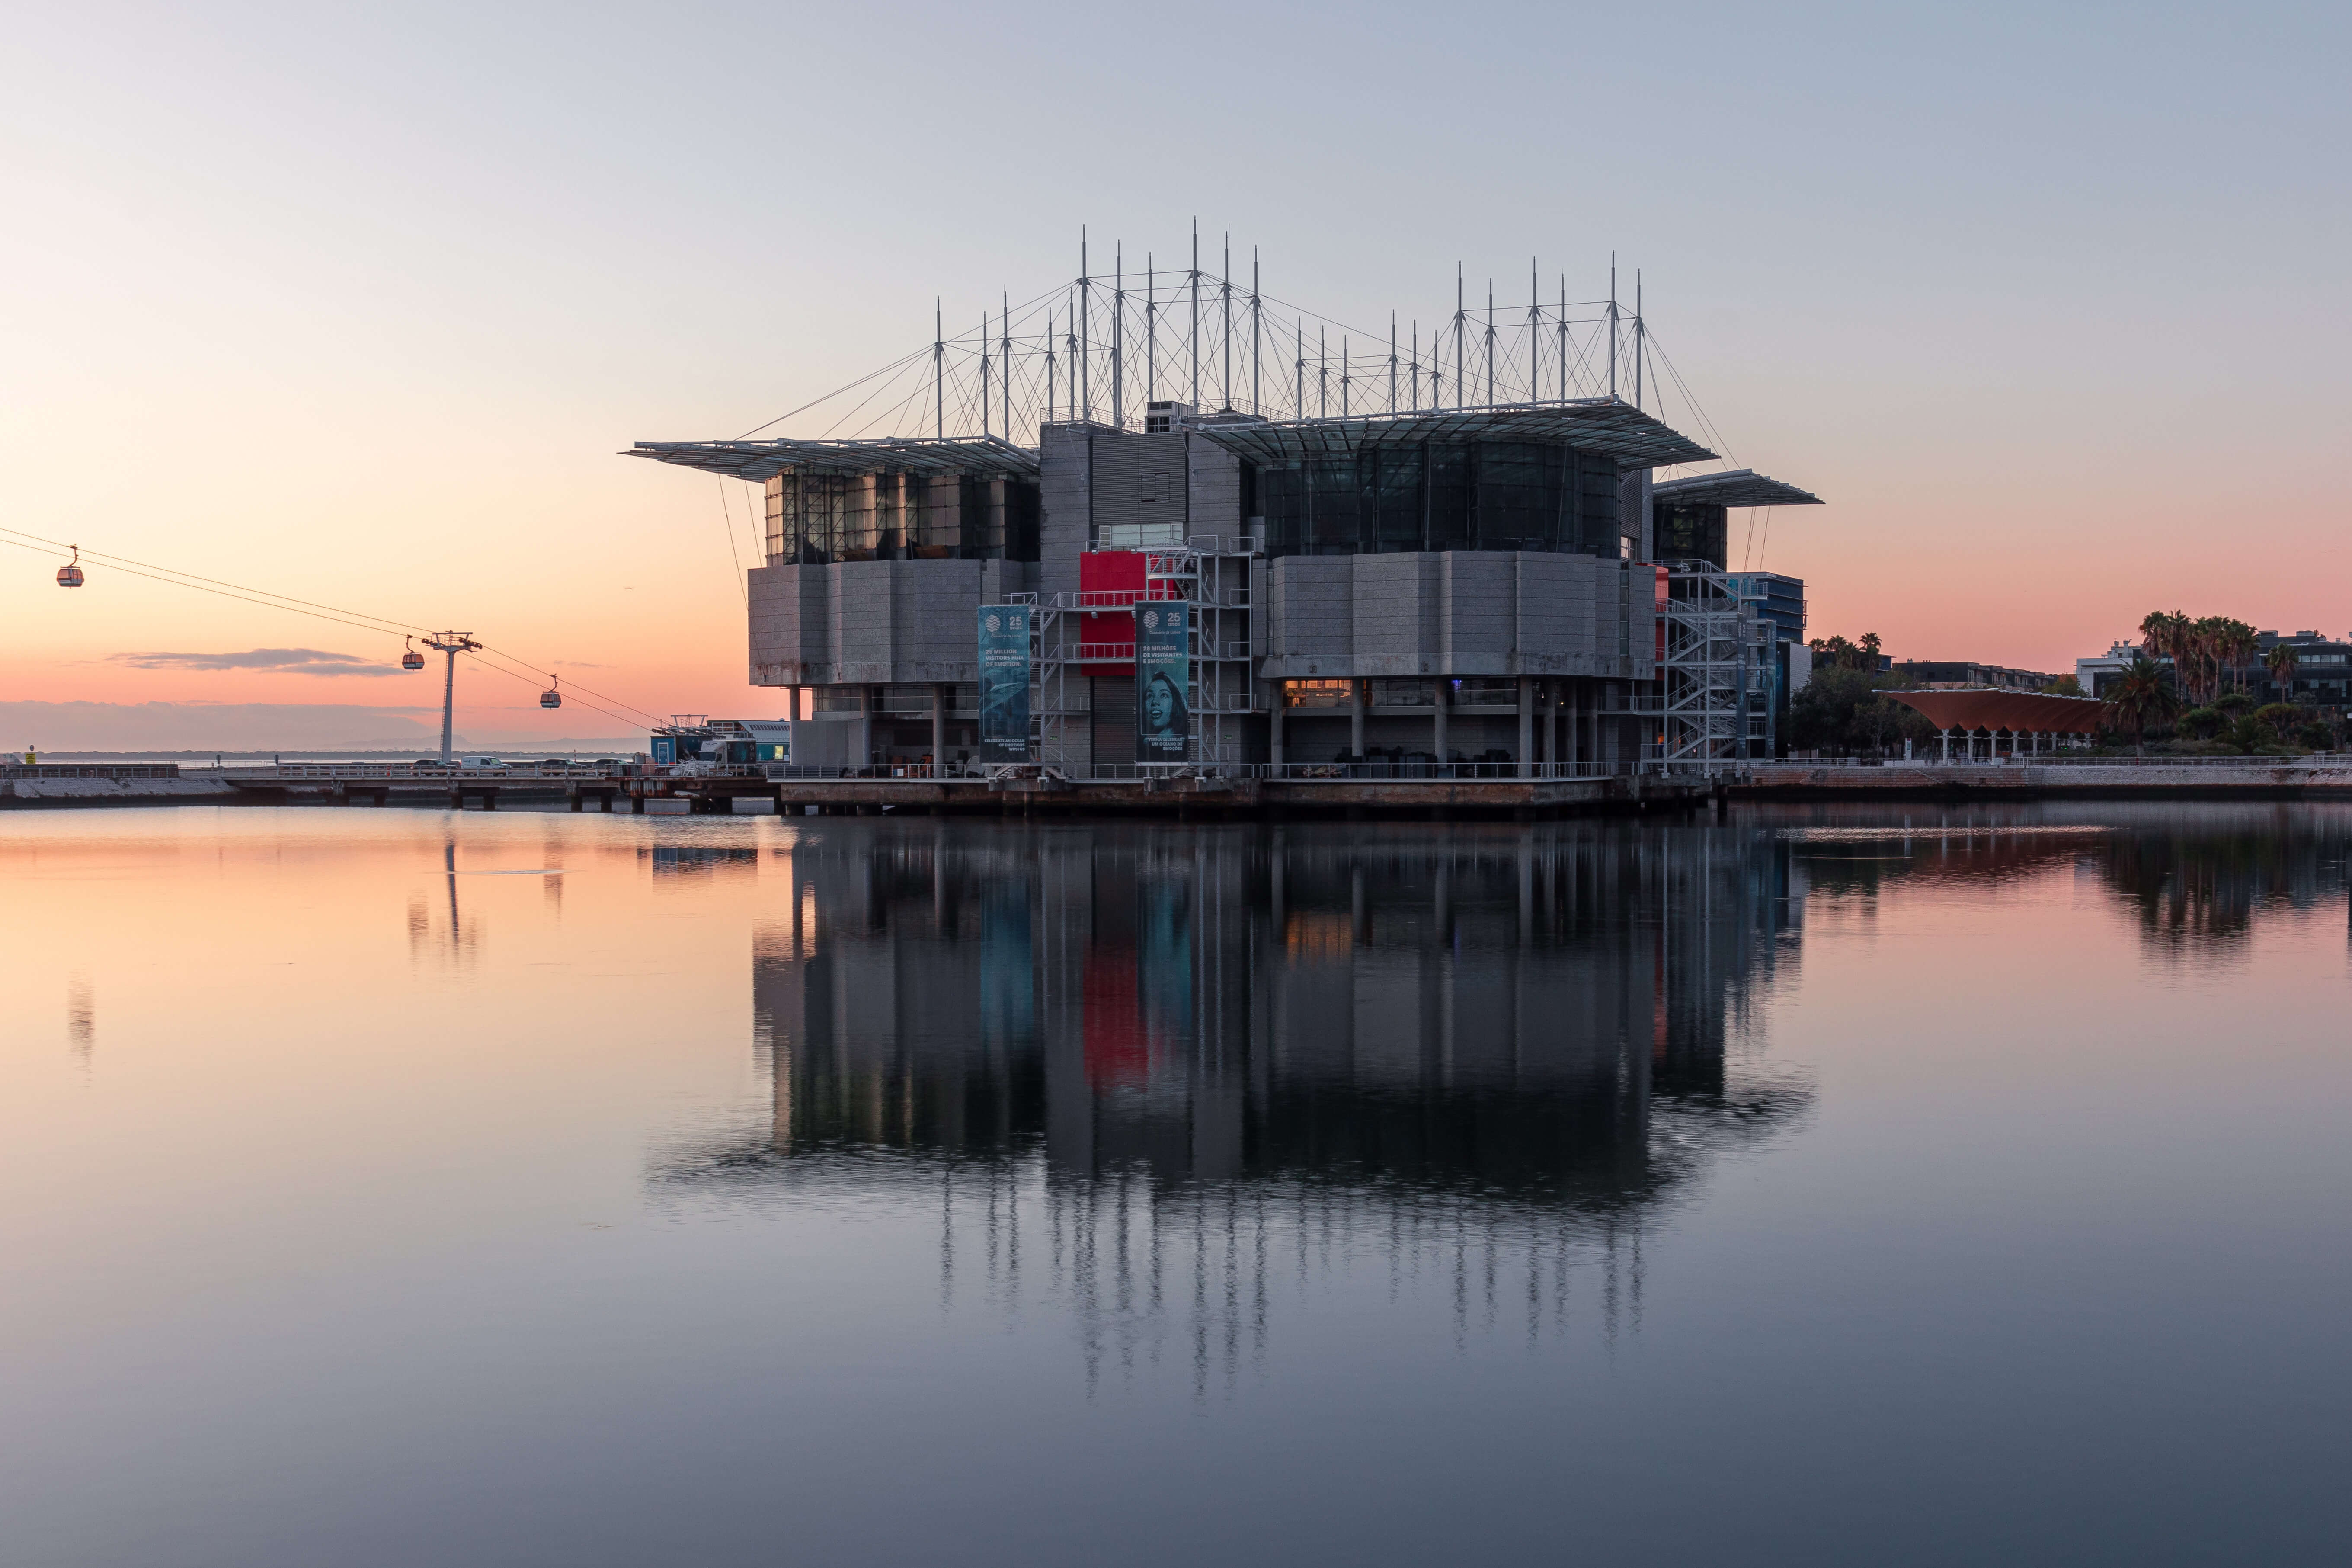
(2242, 645)
(2168, 636)
(2281, 663)
(2138, 697)
(2160, 633)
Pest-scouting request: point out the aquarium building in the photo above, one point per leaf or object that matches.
(1463, 556)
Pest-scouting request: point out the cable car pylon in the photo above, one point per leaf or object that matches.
(452, 643)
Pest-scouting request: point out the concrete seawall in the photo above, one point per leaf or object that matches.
(132, 785)
(2254, 778)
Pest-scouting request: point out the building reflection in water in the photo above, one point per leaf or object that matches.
(1182, 1071)
(2193, 877)
(1175, 1077)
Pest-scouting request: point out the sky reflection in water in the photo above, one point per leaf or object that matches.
(1816, 1186)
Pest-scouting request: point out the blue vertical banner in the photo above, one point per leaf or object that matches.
(1163, 673)
(1005, 682)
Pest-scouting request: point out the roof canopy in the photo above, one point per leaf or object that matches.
(916, 455)
(2025, 711)
(1605, 425)
(1741, 487)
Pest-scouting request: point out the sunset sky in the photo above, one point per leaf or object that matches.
(2047, 305)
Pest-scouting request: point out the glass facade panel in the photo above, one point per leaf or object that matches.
(1512, 513)
(1691, 533)
(1282, 500)
(815, 518)
(1400, 510)
(1334, 506)
(1485, 495)
(1453, 498)
(1403, 693)
(1319, 693)
(1485, 691)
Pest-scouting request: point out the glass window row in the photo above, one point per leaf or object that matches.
(816, 519)
(1483, 495)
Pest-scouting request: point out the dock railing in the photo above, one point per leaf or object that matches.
(1371, 770)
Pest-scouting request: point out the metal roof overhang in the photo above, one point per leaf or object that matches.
(2018, 710)
(1604, 425)
(917, 455)
(1741, 487)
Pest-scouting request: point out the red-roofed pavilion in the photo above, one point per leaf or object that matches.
(2025, 715)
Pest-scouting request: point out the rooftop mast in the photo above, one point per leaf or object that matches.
(1535, 335)
(1613, 323)
(1226, 297)
(1257, 366)
(1460, 322)
(1195, 399)
(1490, 342)
(1563, 336)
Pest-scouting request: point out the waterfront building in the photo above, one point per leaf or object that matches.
(2094, 673)
(2321, 677)
(1459, 555)
(1943, 674)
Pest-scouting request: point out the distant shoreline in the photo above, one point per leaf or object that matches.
(619, 746)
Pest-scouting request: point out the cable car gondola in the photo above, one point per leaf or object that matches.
(69, 574)
(410, 658)
(550, 698)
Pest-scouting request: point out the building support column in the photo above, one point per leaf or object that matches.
(1274, 717)
(1527, 726)
(1548, 743)
(941, 694)
(1441, 697)
(1358, 691)
(1946, 735)
(1575, 717)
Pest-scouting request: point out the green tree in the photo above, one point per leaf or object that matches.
(2137, 697)
(2065, 685)
(1843, 709)
(1845, 655)
(2201, 723)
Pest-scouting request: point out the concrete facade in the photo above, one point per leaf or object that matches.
(1455, 613)
(875, 621)
(1572, 624)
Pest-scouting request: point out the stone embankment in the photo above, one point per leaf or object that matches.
(145, 784)
(2241, 778)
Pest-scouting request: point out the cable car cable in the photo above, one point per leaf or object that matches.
(287, 602)
(177, 583)
(526, 680)
(194, 579)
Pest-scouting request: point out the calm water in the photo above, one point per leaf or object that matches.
(1832, 1186)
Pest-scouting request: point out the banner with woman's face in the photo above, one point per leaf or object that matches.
(1163, 671)
(1005, 682)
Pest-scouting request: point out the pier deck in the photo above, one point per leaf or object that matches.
(1311, 791)
(2115, 778)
